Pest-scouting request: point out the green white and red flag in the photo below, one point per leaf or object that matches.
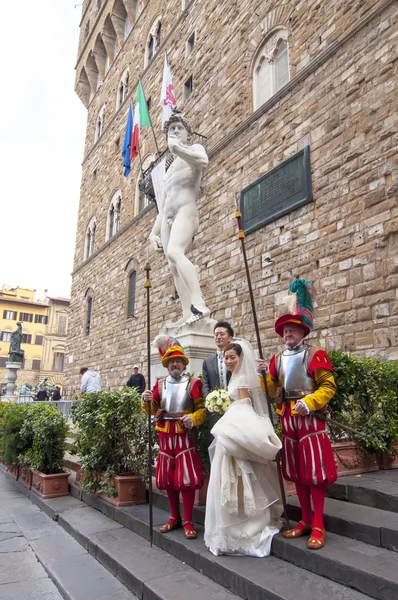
(141, 119)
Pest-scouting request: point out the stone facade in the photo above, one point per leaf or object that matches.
(341, 100)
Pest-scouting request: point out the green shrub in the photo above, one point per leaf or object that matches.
(45, 428)
(13, 445)
(112, 437)
(365, 401)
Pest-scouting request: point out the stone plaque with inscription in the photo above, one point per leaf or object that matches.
(278, 192)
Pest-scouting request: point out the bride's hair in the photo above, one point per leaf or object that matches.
(235, 347)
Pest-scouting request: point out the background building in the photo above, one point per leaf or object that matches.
(262, 82)
(44, 327)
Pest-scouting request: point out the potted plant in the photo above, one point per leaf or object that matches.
(13, 445)
(3, 406)
(365, 406)
(112, 443)
(46, 428)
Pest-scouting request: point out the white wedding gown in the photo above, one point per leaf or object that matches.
(243, 504)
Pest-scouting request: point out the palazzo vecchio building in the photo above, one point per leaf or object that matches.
(297, 106)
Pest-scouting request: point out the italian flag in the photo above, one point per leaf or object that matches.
(141, 119)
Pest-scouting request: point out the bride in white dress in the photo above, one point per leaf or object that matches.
(243, 504)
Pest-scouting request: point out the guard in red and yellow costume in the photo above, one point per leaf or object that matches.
(177, 403)
(301, 380)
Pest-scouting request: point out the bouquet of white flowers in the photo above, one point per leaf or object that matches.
(217, 401)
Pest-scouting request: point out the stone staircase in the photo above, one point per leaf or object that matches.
(359, 561)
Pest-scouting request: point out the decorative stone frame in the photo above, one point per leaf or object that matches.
(113, 218)
(89, 238)
(132, 266)
(149, 158)
(100, 124)
(88, 311)
(123, 88)
(153, 35)
(268, 51)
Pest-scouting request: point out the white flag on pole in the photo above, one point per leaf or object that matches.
(167, 98)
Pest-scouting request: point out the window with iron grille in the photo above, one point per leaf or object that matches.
(26, 317)
(43, 319)
(62, 323)
(58, 363)
(39, 340)
(11, 315)
(26, 338)
(131, 292)
(36, 364)
(89, 315)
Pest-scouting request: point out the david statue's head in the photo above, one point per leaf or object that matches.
(177, 126)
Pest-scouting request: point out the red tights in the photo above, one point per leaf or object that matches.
(317, 493)
(188, 497)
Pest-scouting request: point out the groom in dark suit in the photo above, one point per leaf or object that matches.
(214, 372)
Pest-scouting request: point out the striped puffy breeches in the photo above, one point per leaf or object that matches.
(178, 466)
(307, 455)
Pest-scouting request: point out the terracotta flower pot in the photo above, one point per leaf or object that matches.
(13, 470)
(78, 473)
(25, 477)
(352, 459)
(50, 486)
(130, 490)
(388, 460)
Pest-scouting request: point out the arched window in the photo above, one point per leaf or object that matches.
(89, 311)
(153, 41)
(99, 127)
(131, 294)
(271, 67)
(90, 238)
(123, 89)
(115, 206)
(141, 199)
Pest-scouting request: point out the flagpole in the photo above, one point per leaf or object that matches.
(150, 120)
(241, 237)
(148, 286)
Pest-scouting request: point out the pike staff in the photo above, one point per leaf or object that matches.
(148, 286)
(241, 237)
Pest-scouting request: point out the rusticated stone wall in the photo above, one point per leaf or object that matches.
(341, 101)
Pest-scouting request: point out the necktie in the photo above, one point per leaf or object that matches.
(221, 369)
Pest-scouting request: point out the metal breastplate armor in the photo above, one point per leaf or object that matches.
(293, 370)
(175, 395)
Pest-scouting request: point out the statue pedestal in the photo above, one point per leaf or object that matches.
(196, 339)
(11, 379)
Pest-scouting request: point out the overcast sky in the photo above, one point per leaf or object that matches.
(42, 127)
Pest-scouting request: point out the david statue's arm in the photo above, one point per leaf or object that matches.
(194, 155)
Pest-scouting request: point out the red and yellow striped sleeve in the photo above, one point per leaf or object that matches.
(325, 392)
(199, 413)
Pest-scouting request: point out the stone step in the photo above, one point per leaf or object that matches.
(270, 579)
(370, 570)
(362, 523)
(378, 489)
(69, 441)
(71, 462)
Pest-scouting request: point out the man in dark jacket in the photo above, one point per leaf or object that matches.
(42, 394)
(137, 380)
